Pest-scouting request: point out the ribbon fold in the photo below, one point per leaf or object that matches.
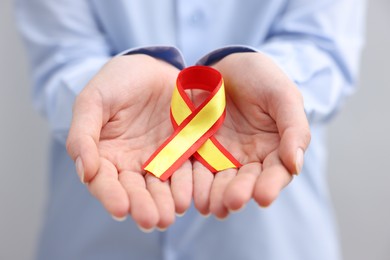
(194, 127)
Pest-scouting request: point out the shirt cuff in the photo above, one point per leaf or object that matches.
(221, 53)
(169, 54)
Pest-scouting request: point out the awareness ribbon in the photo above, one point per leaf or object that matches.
(194, 127)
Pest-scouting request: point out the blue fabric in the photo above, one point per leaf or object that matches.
(316, 42)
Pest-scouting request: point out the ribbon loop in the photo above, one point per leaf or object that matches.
(194, 127)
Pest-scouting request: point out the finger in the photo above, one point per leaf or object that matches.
(221, 182)
(240, 190)
(181, 187)
(203, 180)
(107, 189)
(293, 144)
(293, 126)
(272, 179)
(84, 133)
(142, 207)
(163, 199)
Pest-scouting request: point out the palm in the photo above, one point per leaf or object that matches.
(250, 134)
(125, 109)
(248, 131)
(133, 132)
(264, 127)
(130, 136)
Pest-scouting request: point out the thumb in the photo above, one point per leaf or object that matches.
(84, 133)
(293, 144)
(294, 129)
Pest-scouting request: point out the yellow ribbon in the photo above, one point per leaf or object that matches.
(194, 126)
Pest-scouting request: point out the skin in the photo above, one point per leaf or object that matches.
(122, 116)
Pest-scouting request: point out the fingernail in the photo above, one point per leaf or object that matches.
(162, 229)
(221, 219)
(146, 230)
(80, 169)
(205, 215)
(299, 161)
(236, 210)
(119, 219)
(181, 214)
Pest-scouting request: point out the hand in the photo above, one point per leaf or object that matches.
(119, 120)
(265, 129)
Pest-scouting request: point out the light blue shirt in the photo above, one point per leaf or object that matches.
(317, 43)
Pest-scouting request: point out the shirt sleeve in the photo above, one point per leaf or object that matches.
(317, 44)
(66, 49)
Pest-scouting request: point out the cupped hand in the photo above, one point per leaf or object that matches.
(119, 120)
(122, 116)
(265, 129)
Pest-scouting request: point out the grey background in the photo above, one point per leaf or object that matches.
(359, 149)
